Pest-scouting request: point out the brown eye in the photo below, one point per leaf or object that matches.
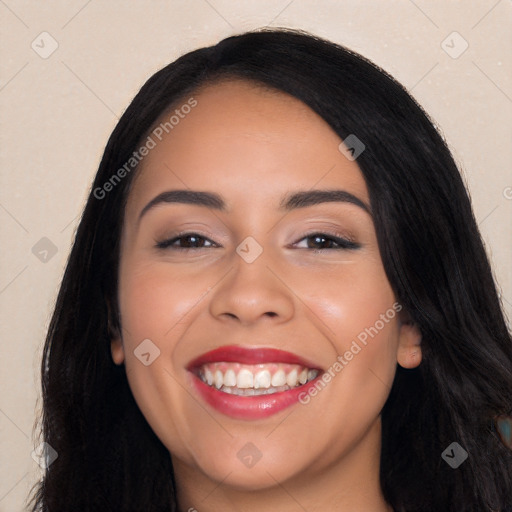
(186, 241)
(321, 241)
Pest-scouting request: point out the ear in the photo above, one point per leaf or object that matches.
(409, 342)
(117, 350)
(116, 341)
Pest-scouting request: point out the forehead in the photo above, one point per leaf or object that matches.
(248, 143)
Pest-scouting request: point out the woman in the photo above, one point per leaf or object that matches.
(277, 299)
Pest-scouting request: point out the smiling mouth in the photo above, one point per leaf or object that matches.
(254, 379)
(251, 383)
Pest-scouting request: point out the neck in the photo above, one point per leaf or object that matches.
(349, 484)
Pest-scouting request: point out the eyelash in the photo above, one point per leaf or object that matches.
(342, 243)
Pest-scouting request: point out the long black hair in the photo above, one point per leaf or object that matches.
(108, 456)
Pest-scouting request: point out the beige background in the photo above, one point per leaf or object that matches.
(57, 113)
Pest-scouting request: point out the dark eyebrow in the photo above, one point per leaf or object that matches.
(208, 199)
(292, 201)
(313, 197)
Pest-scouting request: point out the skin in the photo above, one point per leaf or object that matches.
(253, 146)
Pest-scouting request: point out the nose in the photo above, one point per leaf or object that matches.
(251, 293)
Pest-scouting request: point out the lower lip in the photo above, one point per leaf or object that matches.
(250, 407)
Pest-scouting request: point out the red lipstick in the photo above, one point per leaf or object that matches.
(260, 405)
(244, 355)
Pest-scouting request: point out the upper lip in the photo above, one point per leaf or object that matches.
(248, 355)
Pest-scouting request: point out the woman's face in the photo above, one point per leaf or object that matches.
(270, 291)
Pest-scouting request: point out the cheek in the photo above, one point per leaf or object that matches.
(157, 305)
(360, 374)
(364, 336)
(351, 302)
(154, 300)
(359, 317)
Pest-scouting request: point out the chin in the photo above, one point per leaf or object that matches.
(261, 476)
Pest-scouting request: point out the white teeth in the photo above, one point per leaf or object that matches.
(244, 379)
(251, 380)
(291, 378)
(254, 392)
(230, 378)
(262, 379)
(279, 378)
